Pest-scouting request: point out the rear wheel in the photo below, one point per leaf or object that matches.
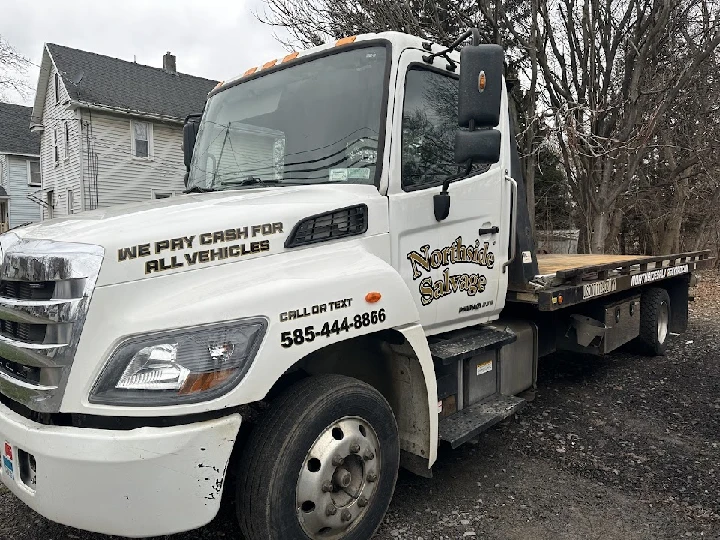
(322, 463)
(654, 321)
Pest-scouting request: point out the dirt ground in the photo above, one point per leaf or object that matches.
(621, 447)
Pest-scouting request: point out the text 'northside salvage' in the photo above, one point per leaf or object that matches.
(168, 261)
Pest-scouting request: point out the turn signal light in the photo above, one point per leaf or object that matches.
(372, 297)
(199, 382)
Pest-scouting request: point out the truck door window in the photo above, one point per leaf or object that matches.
(428, 128)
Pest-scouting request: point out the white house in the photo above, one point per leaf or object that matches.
(111, 129)
(19, 168)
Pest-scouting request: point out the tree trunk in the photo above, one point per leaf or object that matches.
(612, 241)
(599, 232)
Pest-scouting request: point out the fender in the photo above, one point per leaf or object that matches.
(340, 275)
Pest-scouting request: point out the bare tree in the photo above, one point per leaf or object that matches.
(12, 66)
(607, 90)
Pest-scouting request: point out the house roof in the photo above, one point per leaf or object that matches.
(122, 86)
(15, 135)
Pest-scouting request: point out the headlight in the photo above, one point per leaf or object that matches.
(179, 366)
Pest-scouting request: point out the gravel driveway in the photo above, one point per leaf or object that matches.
(621, 447)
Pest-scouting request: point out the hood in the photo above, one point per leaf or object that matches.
(193, 231)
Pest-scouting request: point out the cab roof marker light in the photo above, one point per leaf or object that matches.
(268, 65)
(250, 71)
(292, 56)
(345, 41)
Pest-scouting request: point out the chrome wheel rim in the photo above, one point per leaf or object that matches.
(338, 479)
(662, 323)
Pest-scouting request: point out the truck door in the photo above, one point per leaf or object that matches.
(454, 267)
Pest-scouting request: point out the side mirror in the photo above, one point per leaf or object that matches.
(481, 146)
(480, 87)
(190, 131)
(479, 97)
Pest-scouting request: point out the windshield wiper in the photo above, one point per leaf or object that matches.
(249, 181)
(198, 189)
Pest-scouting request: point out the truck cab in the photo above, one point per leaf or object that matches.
(322, 306)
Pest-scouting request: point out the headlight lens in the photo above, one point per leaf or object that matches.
(180, 366)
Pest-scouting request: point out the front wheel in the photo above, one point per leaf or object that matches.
(321, 464)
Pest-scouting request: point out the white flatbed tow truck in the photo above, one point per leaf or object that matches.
(349, 281)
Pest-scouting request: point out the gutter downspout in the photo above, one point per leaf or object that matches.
(78, 115)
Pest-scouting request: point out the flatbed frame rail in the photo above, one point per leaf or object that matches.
(571, 286)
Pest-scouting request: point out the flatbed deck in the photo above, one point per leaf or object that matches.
(569, 279)
(549, 263)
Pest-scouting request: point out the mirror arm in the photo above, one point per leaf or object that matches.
(428, 58)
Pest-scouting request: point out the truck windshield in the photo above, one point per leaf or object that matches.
(312, 123)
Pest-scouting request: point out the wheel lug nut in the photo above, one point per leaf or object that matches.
(355, 448)
(371, 476)
(345, 515)
(337, 460)
(362, 502)
(327, 486)
(368, 455)
(331, 510)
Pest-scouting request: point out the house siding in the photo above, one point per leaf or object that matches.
(66, 174)
(22, 209)
(121, 177)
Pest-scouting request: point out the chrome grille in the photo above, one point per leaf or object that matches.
(45, 290)
(22, 290)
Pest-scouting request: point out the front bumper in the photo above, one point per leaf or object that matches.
(141, 482)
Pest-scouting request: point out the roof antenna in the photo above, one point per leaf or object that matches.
(135, 58)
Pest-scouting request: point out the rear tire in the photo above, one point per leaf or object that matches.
(323, 460)
(654, 321)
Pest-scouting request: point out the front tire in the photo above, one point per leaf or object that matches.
(321, 464)
(654, 321)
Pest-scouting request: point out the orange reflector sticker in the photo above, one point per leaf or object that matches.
(345, 41)
(560, 299)
(372, 297)
(250, 72)
(269, 64)
(291, 56)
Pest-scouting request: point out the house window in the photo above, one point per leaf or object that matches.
(50, 201)
(70, 201)
(33, 173)
(66, 140)
(55, 146)
(158, 194)
(141, 139)
(57, 88)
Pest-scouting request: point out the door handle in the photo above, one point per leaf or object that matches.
(513, 222)
(490, 230)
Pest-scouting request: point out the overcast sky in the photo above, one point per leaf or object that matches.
(216, 39)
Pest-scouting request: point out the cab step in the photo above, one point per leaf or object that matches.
(468, 342)
(473, 420)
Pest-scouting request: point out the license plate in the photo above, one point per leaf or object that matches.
(7, 460)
